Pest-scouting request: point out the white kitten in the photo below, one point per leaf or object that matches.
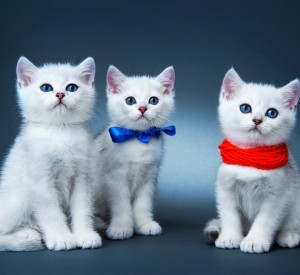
(44, 178)
(259, 204)
(126, 173)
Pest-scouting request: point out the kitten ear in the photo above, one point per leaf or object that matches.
(25, 72)
(291, 93)
(232, 83)
(167, 79)
(114, 78)
(87, 70)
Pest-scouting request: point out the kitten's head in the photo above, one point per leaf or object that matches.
(140, 102)
(255, 114)
(56, 93)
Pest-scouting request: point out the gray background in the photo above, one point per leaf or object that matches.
(202, 40)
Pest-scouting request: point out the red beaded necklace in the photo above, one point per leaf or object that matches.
(264, 157)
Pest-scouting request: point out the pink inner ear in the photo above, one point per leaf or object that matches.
(295, 95)
(291, 93)
(169, 88)
(114, 79)
(111, 83)
(23, 75)
(296, 98)
(25, 71)
(24, 80)
(88, 77)
(231, 84)
(167, 78)
(227, 86)
(170, 84)
(87, 70)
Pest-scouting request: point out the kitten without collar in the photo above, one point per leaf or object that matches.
(126, 173)
(255, 206)
(44, 194)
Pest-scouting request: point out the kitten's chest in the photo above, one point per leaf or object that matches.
(250, 194)
(248, 184)
(60, 145)
(135, 151)
(252, 187)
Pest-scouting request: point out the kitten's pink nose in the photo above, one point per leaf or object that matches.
(143, 109)
(60, 96)
(257, 121)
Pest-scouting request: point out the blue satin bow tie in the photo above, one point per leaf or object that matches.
(119, 134)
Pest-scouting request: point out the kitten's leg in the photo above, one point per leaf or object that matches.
(82, 214)
(24, 239)
(14, 209)
(51, 219)
(121, 225)
(101, 215)
(289, 235)
(142, 208)
(231, 228)
(266, 223)
(288, 238)
(15, 213)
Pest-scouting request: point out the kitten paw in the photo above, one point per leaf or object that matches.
(119, 233)
(88, 240)
(255, 245)
(31, 240)
(150, 228)
(228, 241)
(60, 241)
(29, 234)
(288, 239)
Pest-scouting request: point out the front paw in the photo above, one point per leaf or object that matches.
(150, 228)
(288, 239)
(119, 232)
(60, 241)
(88, 240)
(228, 241)
(255, 245)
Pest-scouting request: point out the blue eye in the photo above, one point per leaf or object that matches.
(153, 100)
(245, 108)
(46, 88)
(272, 113)
(130, 100)
(72, 88)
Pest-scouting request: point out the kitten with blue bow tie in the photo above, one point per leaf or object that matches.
(127, 155)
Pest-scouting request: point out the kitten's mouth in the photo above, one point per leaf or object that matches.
(142, 117)
(255, 129)
(60, 105)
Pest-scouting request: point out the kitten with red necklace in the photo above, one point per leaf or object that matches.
(258, 186)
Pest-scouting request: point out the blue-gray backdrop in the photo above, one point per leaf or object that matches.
(202, 39)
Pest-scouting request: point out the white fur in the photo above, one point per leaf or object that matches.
(126, 173)
(44, 193)
(256, 206)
